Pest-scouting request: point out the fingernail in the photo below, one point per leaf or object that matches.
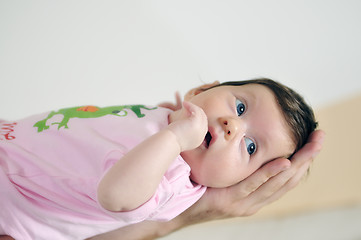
(322, 139)
(286, 167)
(315, 154)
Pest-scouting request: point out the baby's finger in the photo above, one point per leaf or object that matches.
(168, 105)
(189, 108)
(172, 106)
(178, 100)
(193, 110)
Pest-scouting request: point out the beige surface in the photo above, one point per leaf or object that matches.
(333, 224)
(335, 176)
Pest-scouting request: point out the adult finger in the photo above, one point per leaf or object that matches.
(317, 136)
(302, 158)
(301, 162)
(274, 189)
(258, 178)
(288, 179)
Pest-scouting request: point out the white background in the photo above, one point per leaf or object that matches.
(57, 54)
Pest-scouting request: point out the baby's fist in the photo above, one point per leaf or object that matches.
(191, 126)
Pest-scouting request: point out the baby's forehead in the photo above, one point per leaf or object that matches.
(251, 88)
(253, 92)
(278, 146)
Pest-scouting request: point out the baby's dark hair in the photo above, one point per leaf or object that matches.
(298, 114)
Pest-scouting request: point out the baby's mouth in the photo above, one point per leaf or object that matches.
(208, 139)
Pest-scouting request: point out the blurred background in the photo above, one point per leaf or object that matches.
(56, 54)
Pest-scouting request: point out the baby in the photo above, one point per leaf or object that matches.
(82, 171)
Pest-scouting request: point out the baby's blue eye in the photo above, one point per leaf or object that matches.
(240, 107)
(250, 145)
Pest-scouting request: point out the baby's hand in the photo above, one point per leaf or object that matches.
(191, 126)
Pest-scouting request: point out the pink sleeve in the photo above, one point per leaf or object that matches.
(174, 195)
(183, 193)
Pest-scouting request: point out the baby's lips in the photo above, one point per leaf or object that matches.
(213, 135)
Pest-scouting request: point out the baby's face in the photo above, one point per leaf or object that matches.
(246, 129)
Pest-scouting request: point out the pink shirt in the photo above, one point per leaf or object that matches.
(51, 164)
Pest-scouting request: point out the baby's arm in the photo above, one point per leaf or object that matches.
(135, 177)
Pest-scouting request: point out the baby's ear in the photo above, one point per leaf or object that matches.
(195, 91)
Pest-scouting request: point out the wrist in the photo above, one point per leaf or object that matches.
(174, 136)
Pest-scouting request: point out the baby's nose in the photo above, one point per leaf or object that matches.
(231, 127)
